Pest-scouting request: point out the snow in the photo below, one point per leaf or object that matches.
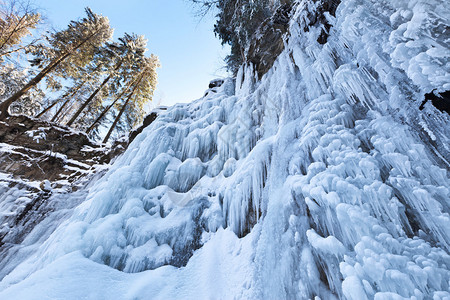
(318, 181)
(329, 245)
(101, 282)
(38, 134)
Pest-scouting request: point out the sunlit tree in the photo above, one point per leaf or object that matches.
(118, 58)
(65, 51)
(140, 93)
(11, 79)
(17, 20)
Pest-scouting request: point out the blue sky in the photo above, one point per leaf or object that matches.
(190, 55)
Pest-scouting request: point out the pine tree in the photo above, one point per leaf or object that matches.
(118, 58)
(237, 21)
(11, 79)
(68, 49)
(17, 19)
(66, 98)
(87, 76)
(108, 108)
(141, 92)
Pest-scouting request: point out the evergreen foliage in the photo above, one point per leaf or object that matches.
(142, 90)
(11, 79)
(117, 59)
(93, 77)
(17, 19)
(67, 50)
(237, 21)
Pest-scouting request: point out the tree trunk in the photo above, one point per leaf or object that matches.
(47, 109)
(5, 104)
(88, 100)
(69, 97)
(13, 51)
(105, 111)
(56, 102)
(60, 110)
(91, 97)
(65, 113)
(122, 109)
(117, 119)
(13, 31)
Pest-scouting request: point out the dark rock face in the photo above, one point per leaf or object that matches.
(439, 100)
(213, 86)
(215, 83)
(40, 163)
(268, 41)
(147, 121)
(36, 150)
(318, 18)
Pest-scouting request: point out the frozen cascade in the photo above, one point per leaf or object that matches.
(321, 179)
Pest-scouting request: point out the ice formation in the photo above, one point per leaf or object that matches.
(323, 179)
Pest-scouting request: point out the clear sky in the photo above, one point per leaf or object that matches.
(190, 54)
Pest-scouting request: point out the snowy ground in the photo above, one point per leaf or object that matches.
(322, 179)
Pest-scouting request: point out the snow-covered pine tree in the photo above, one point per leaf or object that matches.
(117, 58)
(17, 19)
(74, 84)
(142, 92)
(65, 51)
(11, 79)
(237, 21)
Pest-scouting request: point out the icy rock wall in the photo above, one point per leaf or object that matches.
(321, 179)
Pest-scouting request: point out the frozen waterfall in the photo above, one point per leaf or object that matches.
(322, 179)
